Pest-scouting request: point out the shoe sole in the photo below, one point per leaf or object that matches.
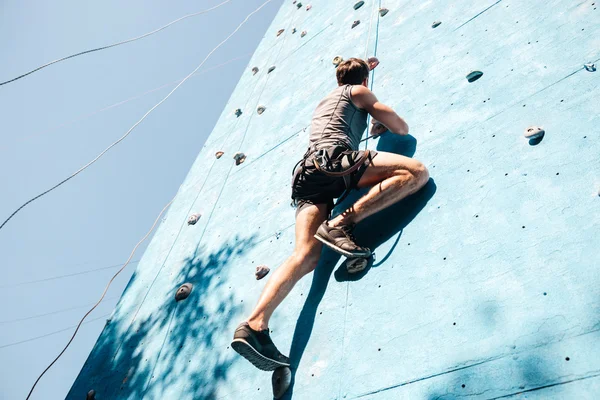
(340, 250)
(261, 362)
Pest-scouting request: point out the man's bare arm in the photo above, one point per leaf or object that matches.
(365, 99)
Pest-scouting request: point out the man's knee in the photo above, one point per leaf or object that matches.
(421, 174)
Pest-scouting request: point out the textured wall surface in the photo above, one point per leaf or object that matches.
(486, 283)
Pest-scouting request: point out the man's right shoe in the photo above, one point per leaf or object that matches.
(258, 348)
(341, 240)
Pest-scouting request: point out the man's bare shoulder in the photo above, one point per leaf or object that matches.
(362, 96)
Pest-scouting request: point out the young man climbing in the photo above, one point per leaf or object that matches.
(332, 165)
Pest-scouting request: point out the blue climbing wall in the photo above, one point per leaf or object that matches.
(486, 283)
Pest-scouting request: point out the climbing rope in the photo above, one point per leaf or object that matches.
(138, 122)
(114, 44)
(366, 140)
(101, 298)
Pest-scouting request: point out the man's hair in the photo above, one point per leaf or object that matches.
(353, 71)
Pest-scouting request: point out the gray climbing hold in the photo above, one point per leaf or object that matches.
(383, 12)
(239, 158)
(91, 395)
(303, 34)
(261, 272)
(372, 62)
(238, 112)
(254, 70)
(356, 265)
(474, 75)
(261, 109)
(534, 132)
(355, 23)
(281, 380)
(359, 5)
(193, 219)
(337, 60)
(183, 292)
(299, 5)
(279, 32)
(294, 30)
(436, 24)
(590, 67)
(271, 69)
(219, 154)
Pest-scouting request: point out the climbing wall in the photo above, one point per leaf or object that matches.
(486, 283)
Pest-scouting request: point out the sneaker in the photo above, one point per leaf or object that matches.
(341, 240)
(258, 348)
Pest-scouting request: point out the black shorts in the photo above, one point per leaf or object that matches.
(311, 186)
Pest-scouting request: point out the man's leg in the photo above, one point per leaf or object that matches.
(251, 339)
(393, 178)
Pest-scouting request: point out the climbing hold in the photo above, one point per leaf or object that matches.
(373, 62)
(303, 34)
(261, 272)
(359, 5)
(436, 24)
(534, 132)
(91, 395)
(337, 60)
(383, 11)
(279, 32)
(271, 69)
(474, 75)
(299, 5)
(356, 265)
(193, 219)
(308, 7)
(239, 158)
(183, 292)
(255, 70)
(281, 380)
(355, 23)
(261, 109)
(238, 112)
(218, 154)
(294, 30)
(590, 67)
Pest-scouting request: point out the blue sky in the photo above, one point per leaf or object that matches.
(54, 121)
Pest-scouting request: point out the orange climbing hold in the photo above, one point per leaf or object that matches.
(261, 272)
(219, 154)
(279, 32)
(372, 62)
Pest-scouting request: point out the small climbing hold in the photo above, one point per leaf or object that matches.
(436, 24)
(337, 60)
(383, 11)
(534, 132)
(359, 5)
(294, 30)
(183, 292)
(356, 265)
(303, 33)
(261, 109)
(308, 7)
(271, 69)
(281, 380)
(299, 5)
(238, 112)
(261, 272)
(239, 158)
(219, 154)
(474, 75)
(590, 67)
(372, 62)
(279, 32)
(355, 23)
(255, 70)
(91, 395)
(193, 219)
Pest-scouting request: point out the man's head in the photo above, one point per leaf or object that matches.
(353, 71)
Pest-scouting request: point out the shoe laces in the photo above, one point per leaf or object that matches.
(347, 229)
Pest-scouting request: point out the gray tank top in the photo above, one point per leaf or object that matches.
(337, 120)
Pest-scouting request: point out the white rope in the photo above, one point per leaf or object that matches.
(115, 44)
(138, 122)
(370, 26)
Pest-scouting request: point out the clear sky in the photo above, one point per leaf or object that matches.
(51, 124)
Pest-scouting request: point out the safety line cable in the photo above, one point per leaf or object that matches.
(115, 44)
(138, 122)
(101, 297)
(369, 34)
(366, 140)
(52, 278)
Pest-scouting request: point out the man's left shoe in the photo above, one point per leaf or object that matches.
(258, 348)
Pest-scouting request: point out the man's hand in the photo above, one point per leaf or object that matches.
(377, 128)
(365, 99)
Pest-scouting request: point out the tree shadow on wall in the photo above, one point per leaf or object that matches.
(372, 232)
(187, 358)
